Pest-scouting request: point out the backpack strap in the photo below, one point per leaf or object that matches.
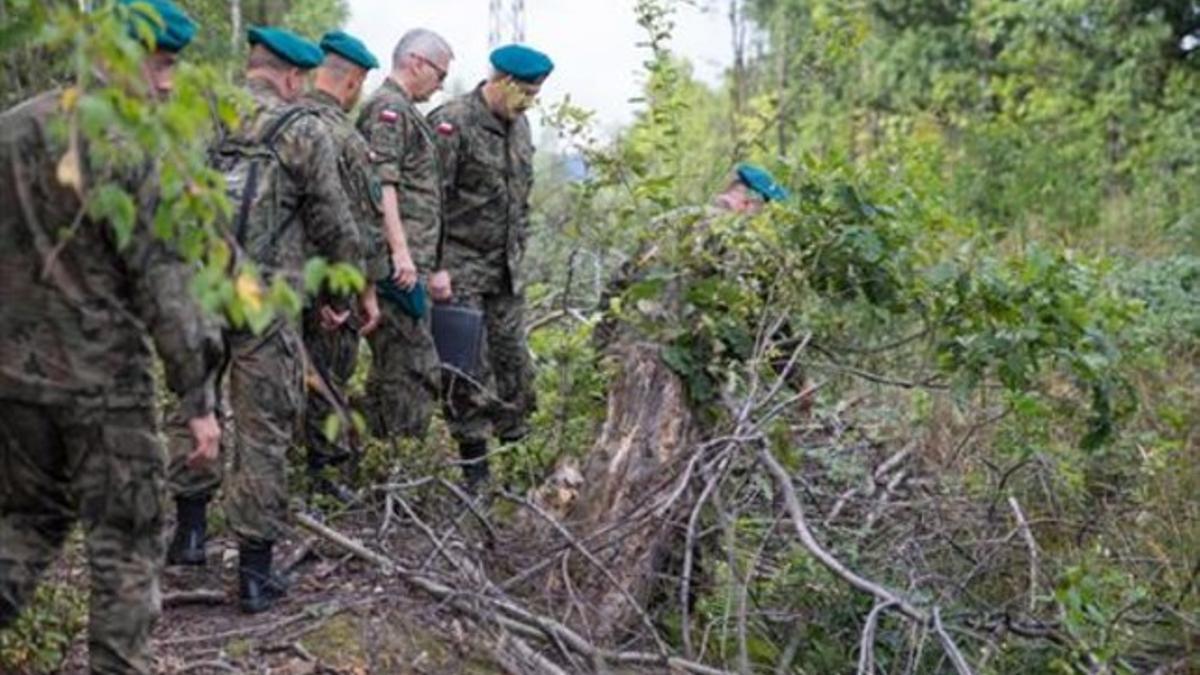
(267, 139)
(290, 115)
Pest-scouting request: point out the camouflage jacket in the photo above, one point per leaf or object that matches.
(76, 313)
(306, 211)
(358, 180)
(406, 157)
(487, 166)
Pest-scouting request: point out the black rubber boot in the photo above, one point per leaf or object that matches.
(191, 522)
(476, 471)
(258, 586)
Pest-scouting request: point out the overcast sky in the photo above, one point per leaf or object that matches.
(593, 44)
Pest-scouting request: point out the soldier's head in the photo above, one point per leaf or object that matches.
(749, 189)
(420, 63)
(516, 80)
(282, 59)
(342, 73)
(164, 30)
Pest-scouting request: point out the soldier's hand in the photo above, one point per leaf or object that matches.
(206, 440)
(403, 270)
(368, 301)
(331, 319)
(439, 286)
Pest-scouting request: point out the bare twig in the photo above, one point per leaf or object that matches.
(591, 558)
(351, 545)
(200, 597)
(1031, 544)
(834, 565)
(212, 664)
(866, 651)
(952, 651)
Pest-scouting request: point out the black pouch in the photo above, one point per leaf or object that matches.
(458, 336)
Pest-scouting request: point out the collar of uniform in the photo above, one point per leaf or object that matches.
(490, 120)
(263, 89)
(323, 98)
(394, 87)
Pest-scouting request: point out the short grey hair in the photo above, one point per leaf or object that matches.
(422, 42)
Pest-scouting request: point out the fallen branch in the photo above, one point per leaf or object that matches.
(1031, 544)
(866, 652)
(515, 618)
(337, 538)
(202, 597)
(881, 593)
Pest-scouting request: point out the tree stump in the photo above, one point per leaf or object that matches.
(628, 509)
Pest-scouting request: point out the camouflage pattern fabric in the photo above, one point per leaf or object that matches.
(266, 393)
(265, 375)
(266, 390)
(335, 353)
(105, 469)
(501, 398)
(487, 166)
(405, 154)
(302, 210)
(405, 379)
(78, 437)
(74, 318)
(359, 182)
(203, 481)
(403, 385)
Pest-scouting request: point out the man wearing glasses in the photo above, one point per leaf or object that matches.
(487, 165)
(404, 381)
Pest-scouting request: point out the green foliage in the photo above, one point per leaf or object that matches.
(38, 642)
(993, 232)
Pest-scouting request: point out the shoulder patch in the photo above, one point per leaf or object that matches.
(388, 115)
(446, 129)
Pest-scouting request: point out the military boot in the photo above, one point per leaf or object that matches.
(258, 586)
(475, 468)
(191, 521)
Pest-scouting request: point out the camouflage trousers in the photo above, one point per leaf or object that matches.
(104, 468)
(335, 354)
(404, 383)
(266, 398)
(501, 397)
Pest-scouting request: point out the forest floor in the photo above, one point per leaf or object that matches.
(342, 615)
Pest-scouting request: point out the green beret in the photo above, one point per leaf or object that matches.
(172, 28)
(287, 46)
(761, 181)
(350, 48)
(523, 63)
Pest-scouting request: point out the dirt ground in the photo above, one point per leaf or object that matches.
(341, 616)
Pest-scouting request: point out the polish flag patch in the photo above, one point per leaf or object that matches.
(446, 129)
(389, 116)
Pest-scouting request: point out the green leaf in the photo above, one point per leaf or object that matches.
(331, 427)
(112, 204)
(315, 270)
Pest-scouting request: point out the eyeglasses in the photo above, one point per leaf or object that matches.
(441, 72)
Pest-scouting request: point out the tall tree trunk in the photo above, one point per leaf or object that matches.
(737, 26)
(235, 21)
(784, 53)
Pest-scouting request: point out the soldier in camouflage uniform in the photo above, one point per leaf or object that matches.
(487, 166)
(333, 349)
(405, 374)
(78, 434)
(282, 170)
